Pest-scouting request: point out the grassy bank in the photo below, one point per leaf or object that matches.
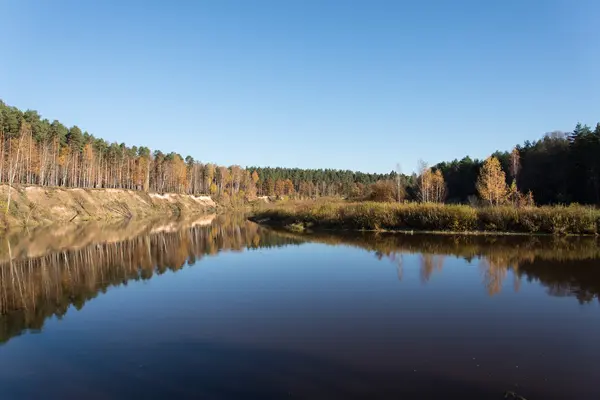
(576, 220)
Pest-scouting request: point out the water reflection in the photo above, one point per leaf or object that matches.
(43, 273)
(567, 266)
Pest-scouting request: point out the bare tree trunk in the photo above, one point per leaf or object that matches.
(12, 173)
(29, 172)
(1, 154)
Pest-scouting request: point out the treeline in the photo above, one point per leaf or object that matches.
(35, 151)
(560, 168)
(315, 182)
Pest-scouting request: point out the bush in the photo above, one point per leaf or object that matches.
(383, 191)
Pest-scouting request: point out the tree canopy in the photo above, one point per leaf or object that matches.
(559, 168)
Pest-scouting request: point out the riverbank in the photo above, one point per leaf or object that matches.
(438, 218)
(35, 206)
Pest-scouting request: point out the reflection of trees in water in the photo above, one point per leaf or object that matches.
(580, 278)
(33, 289)
(395, 258)
(429, 264)
(567, 266)
(495, 266)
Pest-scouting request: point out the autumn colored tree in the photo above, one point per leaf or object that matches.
(306, 189)
(25, 130)
(144, 167)
(236, 178)
(256, 181)
(431, 185)
(491, 183)
(288, 187)
(425, 182)
(209, 178)
(438, 187)
(223, 178)
(279, 188)
(249, 185)
(269, 187)
(383, 191)
(179, 174)
(357, 191)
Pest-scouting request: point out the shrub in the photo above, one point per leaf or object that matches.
(383, 191)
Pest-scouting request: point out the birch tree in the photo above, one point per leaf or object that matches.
(491, 183)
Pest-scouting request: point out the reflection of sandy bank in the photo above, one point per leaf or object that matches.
(177, 225)
(40, 241)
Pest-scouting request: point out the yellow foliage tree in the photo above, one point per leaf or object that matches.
(491, 183)
(432, 187)
(425, 182)
(438, 187)
(179, 173)
(279, 188)
(288, 187)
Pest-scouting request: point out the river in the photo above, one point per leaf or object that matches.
(219, 308)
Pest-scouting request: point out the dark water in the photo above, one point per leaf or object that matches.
(226, 309)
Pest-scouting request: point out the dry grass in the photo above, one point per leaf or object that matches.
(432, 217)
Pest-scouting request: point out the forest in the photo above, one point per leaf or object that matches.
(560, 168)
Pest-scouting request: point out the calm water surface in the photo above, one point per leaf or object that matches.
(222, 308)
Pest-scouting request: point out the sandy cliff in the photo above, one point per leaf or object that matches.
(33, 205)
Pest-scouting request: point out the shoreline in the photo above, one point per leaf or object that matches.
(292, 228)
(438, 219)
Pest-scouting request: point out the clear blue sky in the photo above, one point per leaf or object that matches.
(335, 84)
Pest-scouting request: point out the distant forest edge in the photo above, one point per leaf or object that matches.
(560, 168)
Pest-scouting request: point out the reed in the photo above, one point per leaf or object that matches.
(556, 220)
